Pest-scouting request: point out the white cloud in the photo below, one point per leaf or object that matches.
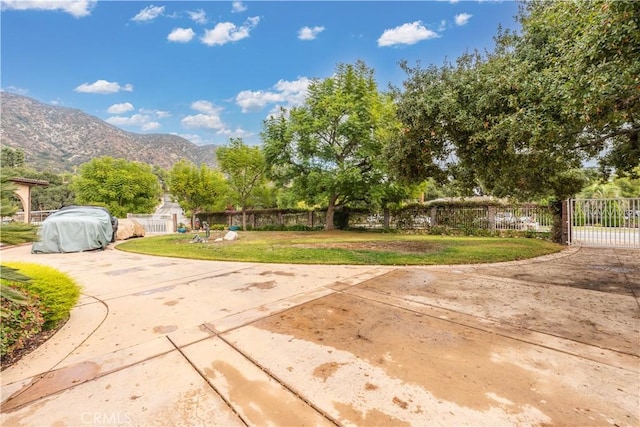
(149, 13)
(462, 18)
(202, 121)
(205, 107)
(251, 101)
(150, 126)
(120, 108)
(209, 117)
(237, 6)
(181, 35)
(307, 33)
(225, 32)
(406, 34)
(291, 93)
(15, 89)
(141, 121)
(77, 8)
(103, 86)
(195, 138)
(199, 16)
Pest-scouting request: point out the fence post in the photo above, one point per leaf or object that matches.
(434, 211)
(491, 217)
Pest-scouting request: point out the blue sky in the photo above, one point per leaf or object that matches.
(211, 70)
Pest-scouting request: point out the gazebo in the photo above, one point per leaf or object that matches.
(23, 191)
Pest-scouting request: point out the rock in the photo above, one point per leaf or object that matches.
(129, 228)
(231, 235)
(219, 239)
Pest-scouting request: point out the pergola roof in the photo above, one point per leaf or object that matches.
(30, 182)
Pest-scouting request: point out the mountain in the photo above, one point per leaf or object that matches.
(59, 139)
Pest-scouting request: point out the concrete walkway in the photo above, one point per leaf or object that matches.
(161, 341)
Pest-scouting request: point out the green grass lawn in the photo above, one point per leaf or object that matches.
(340, 247)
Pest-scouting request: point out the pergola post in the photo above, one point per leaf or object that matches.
(23, 192)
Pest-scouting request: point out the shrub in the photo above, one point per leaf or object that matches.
(16, 233)
(280, 227)
(21, 320)
(57, 292)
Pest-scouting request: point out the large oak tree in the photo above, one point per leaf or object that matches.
(329, 150)
(520, 121)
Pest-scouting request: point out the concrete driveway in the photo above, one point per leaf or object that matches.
(161, 341)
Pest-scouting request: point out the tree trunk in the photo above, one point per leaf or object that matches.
(328, 223)
(387, 218)
(555, 207)
(244, 219)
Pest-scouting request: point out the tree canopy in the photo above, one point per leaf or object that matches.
(117, 184)
(329, 150)
(521, 120)
(197, 188)
(245, 168)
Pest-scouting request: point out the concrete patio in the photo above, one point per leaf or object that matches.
(161, 341)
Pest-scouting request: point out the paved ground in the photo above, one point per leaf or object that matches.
(159, 341)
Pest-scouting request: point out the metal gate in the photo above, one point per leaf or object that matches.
(611, 223)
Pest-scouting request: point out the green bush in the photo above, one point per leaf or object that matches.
(21, 320)
(57, 292)
(16, 233)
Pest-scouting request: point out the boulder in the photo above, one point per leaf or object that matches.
(129, 228)
(231, 235)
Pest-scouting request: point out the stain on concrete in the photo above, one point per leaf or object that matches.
(165, 329)
(260, 402)
(326, 370)
(257, 285)
(50, 383)
(465, 366)
(156, 290)
(124, 271)
(277, 273)
(370, 418)
(165, 264)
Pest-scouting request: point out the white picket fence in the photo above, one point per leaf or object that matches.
(153, 224)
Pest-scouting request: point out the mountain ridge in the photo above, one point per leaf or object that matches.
(59, 139)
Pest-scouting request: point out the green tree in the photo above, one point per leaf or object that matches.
(8, 203)
(329, 150)
(245, 169)
(197, 188)
(11, 157)
(521, 120)
(54, 196)
(117, 184)
(588, 53)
